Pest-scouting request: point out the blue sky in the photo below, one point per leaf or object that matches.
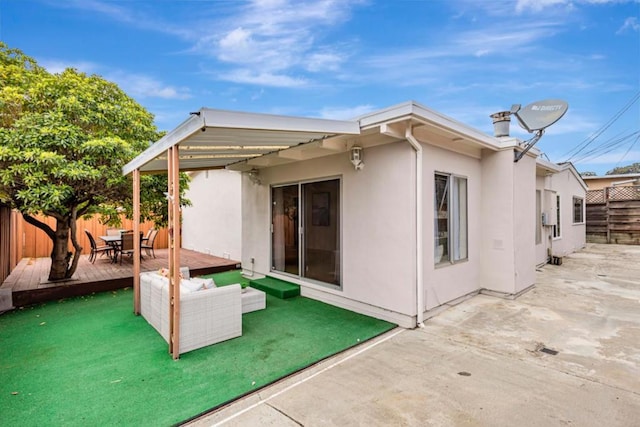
(340, 59)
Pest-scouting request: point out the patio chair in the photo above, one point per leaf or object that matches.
(113, 231)
(148, 242)
(146, 237)
(126, 244)
(95, 249)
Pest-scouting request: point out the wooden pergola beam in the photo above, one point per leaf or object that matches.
(173, 171)
(137, 250)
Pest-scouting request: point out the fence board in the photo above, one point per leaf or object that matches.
(36, 243)
(613, 215)
(5, 242)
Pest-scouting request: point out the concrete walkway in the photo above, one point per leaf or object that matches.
(486, 361)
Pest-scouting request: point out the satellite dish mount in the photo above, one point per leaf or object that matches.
(536, 117)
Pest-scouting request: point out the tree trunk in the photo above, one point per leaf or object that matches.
(60, 254)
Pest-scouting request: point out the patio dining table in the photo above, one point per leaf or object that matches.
(115, 242)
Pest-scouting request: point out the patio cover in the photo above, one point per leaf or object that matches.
(212, 139)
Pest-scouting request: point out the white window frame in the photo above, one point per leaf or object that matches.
(556, 231)
(582, 213)
(538, 217)
(457, 233)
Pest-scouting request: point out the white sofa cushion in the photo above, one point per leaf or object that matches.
(206, 316)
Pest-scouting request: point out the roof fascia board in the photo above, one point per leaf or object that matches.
(544, 164)
(617, 176)
(184, 130)
(574, 171)
(210, 118)
(429, 117)
(243, 120)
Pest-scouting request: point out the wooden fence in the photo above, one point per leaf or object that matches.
(36, 244)
(9, 246)
(613, 215)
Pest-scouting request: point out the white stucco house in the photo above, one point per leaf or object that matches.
(393, 214)
(213, 225)
(560, 207)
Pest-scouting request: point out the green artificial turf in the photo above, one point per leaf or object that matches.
(229, 278)
(276, 287)
(90, 361)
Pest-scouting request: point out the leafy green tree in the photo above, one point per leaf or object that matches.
(588, 173)
(64, 139)
(623, 170)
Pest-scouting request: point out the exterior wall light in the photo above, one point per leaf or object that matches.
(357, 157)
(254, 176)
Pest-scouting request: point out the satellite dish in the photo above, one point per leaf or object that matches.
(540, 114)
(536, 117)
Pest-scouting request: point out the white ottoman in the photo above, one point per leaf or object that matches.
(252, 300)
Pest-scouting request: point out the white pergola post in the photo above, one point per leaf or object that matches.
(136, 241)
(173, 163)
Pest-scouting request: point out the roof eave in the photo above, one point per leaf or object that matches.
(207, 118)
(414, 110)
(184, 130)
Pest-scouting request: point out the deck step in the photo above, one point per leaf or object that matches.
(276, 287)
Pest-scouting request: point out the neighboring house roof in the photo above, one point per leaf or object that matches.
(621, 179)
(619, 176)
(600, 182)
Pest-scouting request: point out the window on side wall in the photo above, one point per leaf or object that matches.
(450, 218)
(578, 210)
(538, 217)
(556, 227)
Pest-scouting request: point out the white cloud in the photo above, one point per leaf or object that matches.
(324, 61)
(540, 5)
(140, 85)
(630, 24)
(345, 113)
(134, 84)
(55, 66)
(499, 39)
(110, 9)
(537, 5)
(125, 14)
(262, 78)
(236, 39)
(269, 40)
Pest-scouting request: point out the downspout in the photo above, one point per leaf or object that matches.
(415, 144)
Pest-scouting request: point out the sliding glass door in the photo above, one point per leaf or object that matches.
(284, 239)
(309, 248)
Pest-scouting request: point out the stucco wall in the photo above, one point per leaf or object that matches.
(572, 236)
(213, 224)
(444, 283)
(497, 251)
(543, 183)
(378, 224)
(524, 189)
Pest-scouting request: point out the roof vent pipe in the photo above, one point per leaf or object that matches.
(501, 122)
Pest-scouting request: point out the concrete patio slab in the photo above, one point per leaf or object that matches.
(486, 361)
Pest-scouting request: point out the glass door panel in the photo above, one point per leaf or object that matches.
(284, 237)
(321, 248)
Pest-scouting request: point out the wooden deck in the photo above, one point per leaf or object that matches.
(28, 281)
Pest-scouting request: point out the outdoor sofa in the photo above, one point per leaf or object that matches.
(208, 315)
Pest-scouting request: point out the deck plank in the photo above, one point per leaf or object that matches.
(29, 285)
